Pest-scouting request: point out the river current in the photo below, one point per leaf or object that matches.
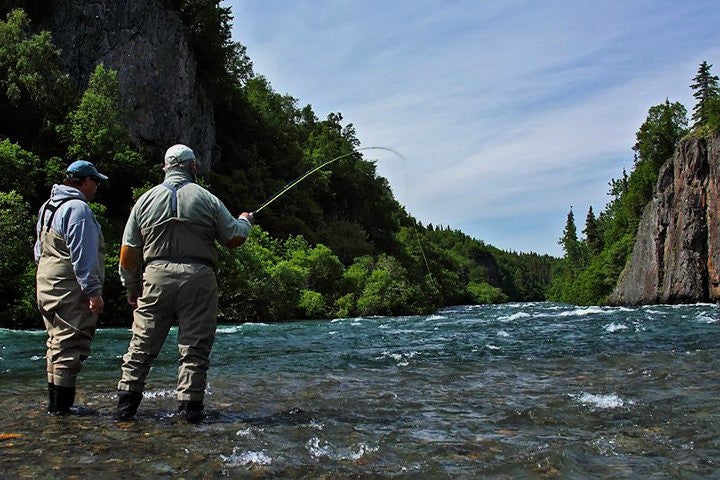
(526, 390)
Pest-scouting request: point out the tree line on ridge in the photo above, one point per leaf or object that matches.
(339, 245)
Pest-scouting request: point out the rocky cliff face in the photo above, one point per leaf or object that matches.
(676, 257)
(162, 100)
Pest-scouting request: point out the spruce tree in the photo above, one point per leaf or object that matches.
(569, 241)
(705, 89)
(592, 235)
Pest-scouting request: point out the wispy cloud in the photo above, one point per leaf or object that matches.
(508, 112)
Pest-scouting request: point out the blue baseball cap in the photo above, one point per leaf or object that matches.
(83, 168)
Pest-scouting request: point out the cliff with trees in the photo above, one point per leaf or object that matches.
(116, 83)
(657, 240)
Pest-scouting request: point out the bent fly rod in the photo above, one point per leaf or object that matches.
(302, 177)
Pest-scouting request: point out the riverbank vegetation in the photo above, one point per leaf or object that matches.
(592, 263)
(339, 245)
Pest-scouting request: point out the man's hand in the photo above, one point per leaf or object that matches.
(248, 216)
(132, 300)
(96, 304)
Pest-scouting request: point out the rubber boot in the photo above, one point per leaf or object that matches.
(128, 403)
(64, 399)
(191, 411)
(51, 398)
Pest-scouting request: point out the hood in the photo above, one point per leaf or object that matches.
(62, 192)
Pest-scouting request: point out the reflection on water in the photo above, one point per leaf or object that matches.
(514, 391)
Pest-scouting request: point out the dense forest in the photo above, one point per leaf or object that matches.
(592, 264)
(339, 245)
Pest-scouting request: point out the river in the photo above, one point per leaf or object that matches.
(525, 390)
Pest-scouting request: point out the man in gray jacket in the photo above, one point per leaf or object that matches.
(69, 253)
(167, 264)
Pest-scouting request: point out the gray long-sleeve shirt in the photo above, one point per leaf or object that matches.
(160, 227)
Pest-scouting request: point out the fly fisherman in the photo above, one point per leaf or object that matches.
(69, 252)
(167, 263)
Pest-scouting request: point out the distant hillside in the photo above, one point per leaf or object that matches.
(116, 83)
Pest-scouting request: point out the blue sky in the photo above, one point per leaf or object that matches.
(508, 112)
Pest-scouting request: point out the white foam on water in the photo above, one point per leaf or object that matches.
(503, 334)
(233, 329)
(600, 401)
(35, 358)
(581, 312)
(615, 327)
(705, 319)
(531, 305)
(24, 333)
(402, 359)
(354, 452)
(514, 316)
(239, 328)
(333, 332)
(166, 392)
(437, 317)
(245, 432)
(490, 346)
(244, 459)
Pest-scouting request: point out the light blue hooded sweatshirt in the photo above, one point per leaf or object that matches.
(76, 223)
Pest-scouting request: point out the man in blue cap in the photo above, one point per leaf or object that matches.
(69, 253)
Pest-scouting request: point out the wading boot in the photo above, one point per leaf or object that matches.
(64, 399)
(51, 398)
(192, 411)
(128, 403)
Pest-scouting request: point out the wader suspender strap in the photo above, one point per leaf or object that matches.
(173, 189)
(52, 209)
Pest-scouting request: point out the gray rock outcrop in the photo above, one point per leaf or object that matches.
(162, 100)
(677, 249)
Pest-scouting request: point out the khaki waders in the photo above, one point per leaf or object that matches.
(64, 307)
(173, 293)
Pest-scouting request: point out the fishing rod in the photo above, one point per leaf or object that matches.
(302, 177)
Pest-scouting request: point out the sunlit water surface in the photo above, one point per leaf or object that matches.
(535, 390)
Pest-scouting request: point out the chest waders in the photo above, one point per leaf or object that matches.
(64, 307)
(177, 239)
(179, 286)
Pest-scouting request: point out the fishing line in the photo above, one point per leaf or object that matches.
(302, 177)
(415, 230)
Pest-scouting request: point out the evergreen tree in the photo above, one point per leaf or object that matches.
(705, 89)
(570, 242)
(593, 238)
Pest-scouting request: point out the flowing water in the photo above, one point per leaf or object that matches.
(536, 390)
